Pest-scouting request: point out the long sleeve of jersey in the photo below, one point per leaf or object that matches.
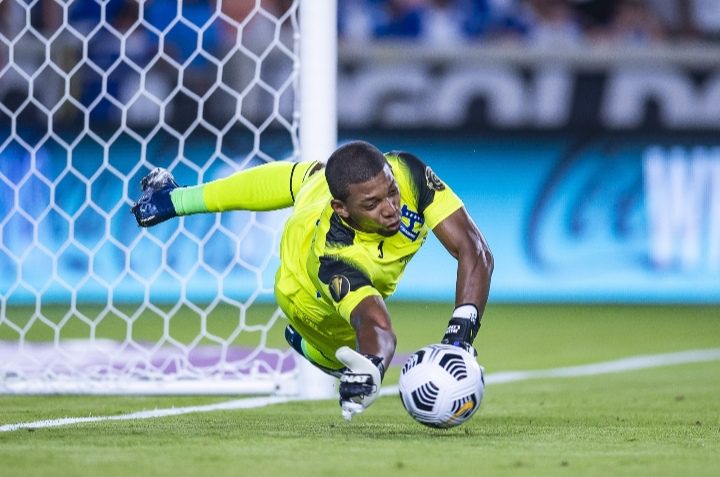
(267, 187)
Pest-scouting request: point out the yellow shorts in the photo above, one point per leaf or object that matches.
(318, 348)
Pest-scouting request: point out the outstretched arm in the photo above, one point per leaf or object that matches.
(365, 368)
(461, 237)
(269, 186)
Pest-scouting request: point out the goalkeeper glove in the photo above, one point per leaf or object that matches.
(360, 382)
(155, 205)
(463, 328)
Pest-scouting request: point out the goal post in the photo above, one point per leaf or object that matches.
(318, 83)
(93, 95)
(318, 131)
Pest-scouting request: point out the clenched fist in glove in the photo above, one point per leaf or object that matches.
(155, 205)
(360, 382)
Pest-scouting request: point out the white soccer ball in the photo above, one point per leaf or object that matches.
(441, 385)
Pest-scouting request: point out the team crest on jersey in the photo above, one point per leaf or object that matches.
(433, 181)
(412, 220)
(339, 287)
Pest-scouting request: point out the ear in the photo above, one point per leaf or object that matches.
(339, 208)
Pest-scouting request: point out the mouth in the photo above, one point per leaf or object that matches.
(394, 225)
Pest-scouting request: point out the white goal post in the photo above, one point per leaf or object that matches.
(93, 95)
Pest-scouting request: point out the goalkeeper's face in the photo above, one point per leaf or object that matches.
(372, 206)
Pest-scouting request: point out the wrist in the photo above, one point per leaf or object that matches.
(466, 310)
(378, 362)
(463, 326)
(188, 200)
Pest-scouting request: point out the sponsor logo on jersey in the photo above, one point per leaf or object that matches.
(433, 181)
(339, 287)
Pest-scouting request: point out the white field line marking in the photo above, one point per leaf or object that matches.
(631, 363)
(248, 403)
(617, 366)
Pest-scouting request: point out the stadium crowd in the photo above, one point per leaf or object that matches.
(534, 22)
(634, 21)
(137, 29)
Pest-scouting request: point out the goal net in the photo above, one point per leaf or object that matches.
(93, 95)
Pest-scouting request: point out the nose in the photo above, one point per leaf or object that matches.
(390, 209)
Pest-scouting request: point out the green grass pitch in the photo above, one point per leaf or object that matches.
(660, 422)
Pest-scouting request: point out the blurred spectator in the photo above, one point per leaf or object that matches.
(140, 45)
(543, 22)
(27, 25)
(434, 22)
(184, 26)
(495, 20)
(245, 41)
(12, 19)
(258, 56)
(401, 19)
(702, 18)
(85, 15)
(635, 23)
(140, 48)
(552, 23)
(670, 14)
(13, 89)
(357, 19)
(443, 22)
(477, 18)
(181, 38)
(104, 48)
(235, 10)
(595, 15)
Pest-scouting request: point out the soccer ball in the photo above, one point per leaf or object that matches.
(441, 385)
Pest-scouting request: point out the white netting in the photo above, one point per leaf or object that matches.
(93, 94)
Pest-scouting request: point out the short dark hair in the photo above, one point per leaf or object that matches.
(352, 163)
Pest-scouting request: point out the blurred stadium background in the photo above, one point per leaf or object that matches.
(582, 136)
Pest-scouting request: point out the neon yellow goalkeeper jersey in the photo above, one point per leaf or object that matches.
(327, 267)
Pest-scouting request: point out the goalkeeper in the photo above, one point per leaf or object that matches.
(343, 250)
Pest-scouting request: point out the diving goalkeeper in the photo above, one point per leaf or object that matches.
(343, 250)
